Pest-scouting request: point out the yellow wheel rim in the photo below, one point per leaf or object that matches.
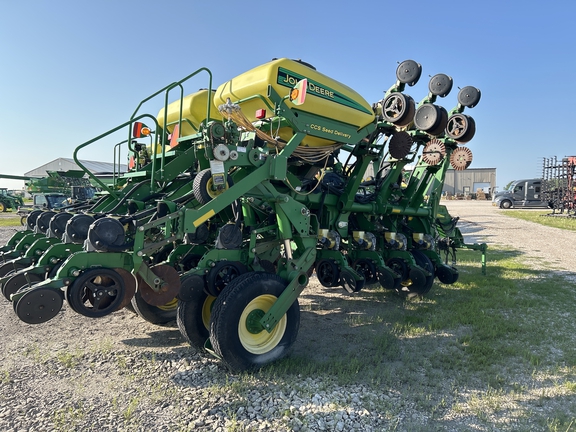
(211, 191)
(2, 208)
(171, 305)
(207, 310)
(262, 342)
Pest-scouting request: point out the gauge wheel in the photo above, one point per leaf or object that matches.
(327, 273)
(159, 315)
(96, 293)
(193, 315)
(366, 268)
(222, 274)
(236, 334)
(203, 187)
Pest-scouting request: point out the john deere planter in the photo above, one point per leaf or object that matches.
(237, 195)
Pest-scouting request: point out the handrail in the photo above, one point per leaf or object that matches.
(75, 155)
(154, 143)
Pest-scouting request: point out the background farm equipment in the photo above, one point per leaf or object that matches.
(559, 185)
(236, 196)
(8, 201)
(56, 190)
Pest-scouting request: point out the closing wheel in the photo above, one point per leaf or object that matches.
(434, 152)
(222, 274)
(446, 274)
(366, 268)
(461, 128)
(39, 305)
(236, 334)
(349, 282)
(327, 272)
(461, 158)
(398, 266)
(193, 315)
(400, 145)
(388, 279)
(96, 293)
(398, 108)
(19, 281)
(204, 188)
(425, 263)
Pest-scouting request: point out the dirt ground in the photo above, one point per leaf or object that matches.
(327, 330)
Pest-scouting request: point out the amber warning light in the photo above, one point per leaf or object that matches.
(140, 130)
(298, 93)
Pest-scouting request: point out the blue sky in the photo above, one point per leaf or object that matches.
(73, 70)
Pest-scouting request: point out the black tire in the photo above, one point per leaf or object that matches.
(159, 315)
(202, 186)
(506, 204)
(240, 348)
(96, 293)
(193, 316)
(23, 220)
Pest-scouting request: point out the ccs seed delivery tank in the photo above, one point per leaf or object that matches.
(325, 97)
(193, 113)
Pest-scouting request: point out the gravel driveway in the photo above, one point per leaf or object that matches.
(120, 373)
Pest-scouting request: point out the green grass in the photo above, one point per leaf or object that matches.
(539, 217)
(10, 221)
(492, 347)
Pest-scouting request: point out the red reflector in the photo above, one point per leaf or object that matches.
(260, 114)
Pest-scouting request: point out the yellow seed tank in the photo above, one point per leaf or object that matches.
(325, 97)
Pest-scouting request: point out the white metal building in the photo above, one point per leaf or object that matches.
(65, 164)
(468, 181)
